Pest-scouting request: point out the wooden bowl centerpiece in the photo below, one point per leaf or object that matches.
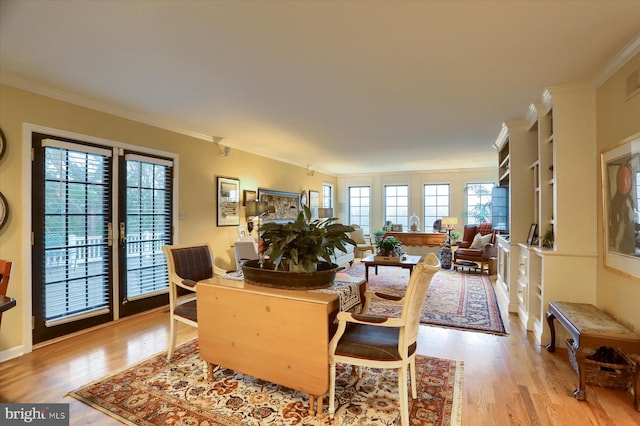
(299, 251)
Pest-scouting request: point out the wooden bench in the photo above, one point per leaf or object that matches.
(591, 328)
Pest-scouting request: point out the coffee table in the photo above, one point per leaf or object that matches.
(407, 262)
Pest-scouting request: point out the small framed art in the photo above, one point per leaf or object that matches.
(228, 201)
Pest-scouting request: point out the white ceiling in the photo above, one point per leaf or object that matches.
(342, 86)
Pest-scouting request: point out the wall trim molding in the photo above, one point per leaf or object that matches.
(61, 95)
(621, 58)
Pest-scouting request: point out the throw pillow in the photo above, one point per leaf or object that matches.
(485, 239)
(358, 236)
(476, 243)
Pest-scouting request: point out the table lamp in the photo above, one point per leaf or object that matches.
(449, 223)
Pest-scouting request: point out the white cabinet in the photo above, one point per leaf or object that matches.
(552, 173)
(523, 286)
(503, 290)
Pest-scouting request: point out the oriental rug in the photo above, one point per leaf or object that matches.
(461, 300)
(158, 392)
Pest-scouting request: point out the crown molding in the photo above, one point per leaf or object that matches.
(621, 58)
(61, 95)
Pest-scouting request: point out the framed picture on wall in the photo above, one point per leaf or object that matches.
(248, 195)
(281, 206)
(620, 174)
(228, 204)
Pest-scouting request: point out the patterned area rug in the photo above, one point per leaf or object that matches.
(460, 300)
(156, 392)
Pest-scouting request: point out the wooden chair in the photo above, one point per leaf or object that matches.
(186, 265)
(5, 274)
(381, 342)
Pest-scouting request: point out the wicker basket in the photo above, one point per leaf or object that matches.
(618, 375)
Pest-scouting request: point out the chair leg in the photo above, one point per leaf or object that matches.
(404, 403)
(412, 374)
(332, 389)
(173, 334)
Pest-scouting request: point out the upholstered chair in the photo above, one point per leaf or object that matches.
(364, 244)
(186, 266)
(477, 245)
(245, 249)
(380, 342)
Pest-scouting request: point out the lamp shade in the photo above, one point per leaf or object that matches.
(325, 212)
(449, 222)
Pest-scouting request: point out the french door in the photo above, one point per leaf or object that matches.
(100, 217)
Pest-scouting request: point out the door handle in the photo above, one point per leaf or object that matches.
(123, 238)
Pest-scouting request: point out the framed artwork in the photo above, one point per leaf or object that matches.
(248, 195)
(396, 227)
(620, 169)
(228, 201)
(281, 206)
(533, 234)
(243, 232)
(314, 203)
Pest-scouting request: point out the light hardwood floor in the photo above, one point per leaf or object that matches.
(507, 380)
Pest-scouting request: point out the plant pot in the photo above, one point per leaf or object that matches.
(268, 277)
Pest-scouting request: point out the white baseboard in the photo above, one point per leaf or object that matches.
(14, 352)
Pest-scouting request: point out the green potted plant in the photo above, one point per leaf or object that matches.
(378, 235)
(300, 245)
(389, 246)
(548, 239)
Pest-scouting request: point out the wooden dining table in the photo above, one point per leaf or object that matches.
(277, 335)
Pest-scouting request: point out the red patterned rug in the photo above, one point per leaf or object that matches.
(460, 300)
(158, 392)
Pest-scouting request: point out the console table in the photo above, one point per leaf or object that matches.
(281, 336)
(419, 243)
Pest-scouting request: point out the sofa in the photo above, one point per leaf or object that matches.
(478, 245)
(341, 258)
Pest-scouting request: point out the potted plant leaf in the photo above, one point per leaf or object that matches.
(389, 246)
(378, 235)
(299, 246)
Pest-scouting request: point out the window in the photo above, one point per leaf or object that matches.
(360, 207)
(436, 203)
(327, 195)
(396, 204)
(479, 202)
